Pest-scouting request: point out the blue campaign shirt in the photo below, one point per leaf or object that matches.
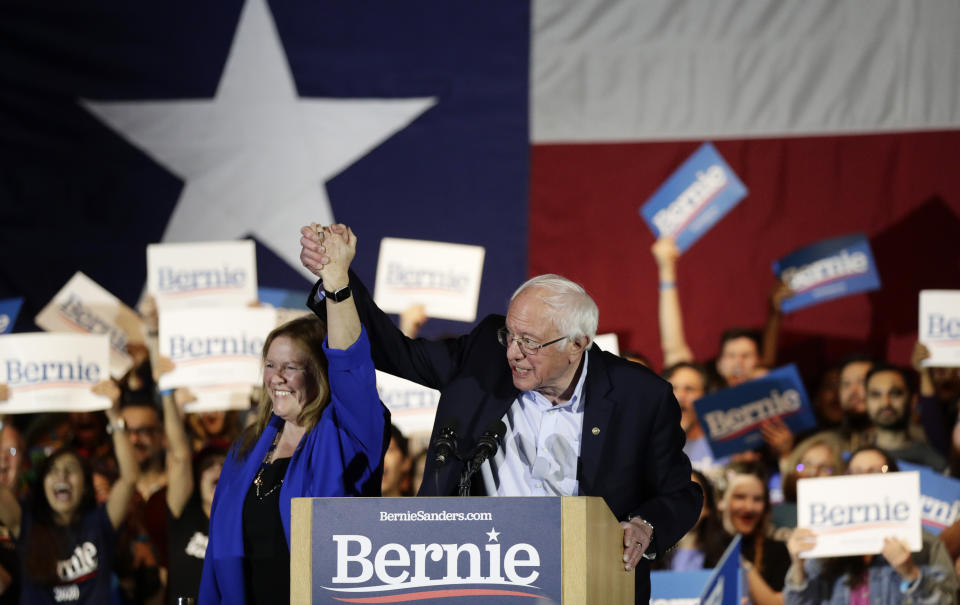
(85, 566)
(540, 448)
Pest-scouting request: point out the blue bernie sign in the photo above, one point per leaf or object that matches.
(829, 269)
(939, 498)
(723, 587)
(677, 587)
(694, 198)
(732, 417)
(9, 309)
(436, 549)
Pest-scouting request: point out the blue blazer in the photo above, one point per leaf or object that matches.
(341, 456)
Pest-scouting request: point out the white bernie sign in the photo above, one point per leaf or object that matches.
(84, 306)
(204, 274)
(852, 514)
(443, 277)
(940, 326)
(211, 347)
(53, 372)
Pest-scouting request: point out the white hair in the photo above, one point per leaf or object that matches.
(576, 313)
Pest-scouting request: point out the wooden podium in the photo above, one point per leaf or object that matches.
(398, 550)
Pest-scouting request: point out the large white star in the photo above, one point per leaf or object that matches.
(255, 158)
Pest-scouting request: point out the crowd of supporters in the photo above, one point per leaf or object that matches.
(155, 468)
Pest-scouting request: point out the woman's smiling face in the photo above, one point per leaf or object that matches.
(286, 376)
(63, 486)
(744, 504)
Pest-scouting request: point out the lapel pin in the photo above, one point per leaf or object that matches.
(596, 430)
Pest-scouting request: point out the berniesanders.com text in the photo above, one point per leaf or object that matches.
(422, 515)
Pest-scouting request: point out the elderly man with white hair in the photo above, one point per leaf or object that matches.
(579, 421)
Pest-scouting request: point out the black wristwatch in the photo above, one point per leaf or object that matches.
(339, 296)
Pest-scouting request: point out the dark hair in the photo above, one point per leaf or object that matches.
(890, 461)
(47, 541)
(402, 442)
(696, 367)
(711, 537)
(308, 333)
(207, 457)
(889, 367)
(857, 358)
(734, 333)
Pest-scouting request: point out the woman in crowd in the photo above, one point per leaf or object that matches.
(702, 546)
(66, 541)
(898, 576)
(319, 431)
(818, 456)
(746, 511)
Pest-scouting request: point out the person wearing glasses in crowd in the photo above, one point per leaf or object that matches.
(818, 456)
(579, 421)
(897, 576)
(320, 431)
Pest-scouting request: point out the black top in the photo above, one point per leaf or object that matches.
(776, 560)
(187, 543)
(266, 559)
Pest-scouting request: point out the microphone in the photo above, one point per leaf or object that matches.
(488, 443)
(445, 445)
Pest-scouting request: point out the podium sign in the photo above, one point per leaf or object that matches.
(397, 550)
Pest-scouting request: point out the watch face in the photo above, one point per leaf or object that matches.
(340, 295)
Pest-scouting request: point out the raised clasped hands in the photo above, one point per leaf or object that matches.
(327, 251)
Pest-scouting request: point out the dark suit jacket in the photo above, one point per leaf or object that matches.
(631, 451)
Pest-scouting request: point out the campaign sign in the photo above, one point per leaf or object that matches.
(391, 550)
(695, 197)
(608, 342)
(445, 278)
(412, 406)
(940, 326)
(723, 587)
(214, 346)
(9, 309)
(219, 397)
(202, 274)
(53, 372)
(732, 417)
(832, 268)
(677, 587)
(82, 305)
(939, 498)
(852, 514)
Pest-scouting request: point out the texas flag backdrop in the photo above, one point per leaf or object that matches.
(532, 129)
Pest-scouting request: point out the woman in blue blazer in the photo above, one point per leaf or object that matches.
(320, 431)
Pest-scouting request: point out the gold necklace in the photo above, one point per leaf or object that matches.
(258, 480)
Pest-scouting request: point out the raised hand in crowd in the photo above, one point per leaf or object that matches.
(672, 340)
(412, 319)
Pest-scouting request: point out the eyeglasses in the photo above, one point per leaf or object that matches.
(143, 432)
(527, 346)
(287, 370)
(815, 469)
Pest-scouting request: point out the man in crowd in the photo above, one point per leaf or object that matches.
(856, 428)
(578, 421)
(141, 550)
(889, 404)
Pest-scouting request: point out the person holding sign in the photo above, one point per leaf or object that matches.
(319, 431)
(895, 577)
(572, 419)
(67, 540)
